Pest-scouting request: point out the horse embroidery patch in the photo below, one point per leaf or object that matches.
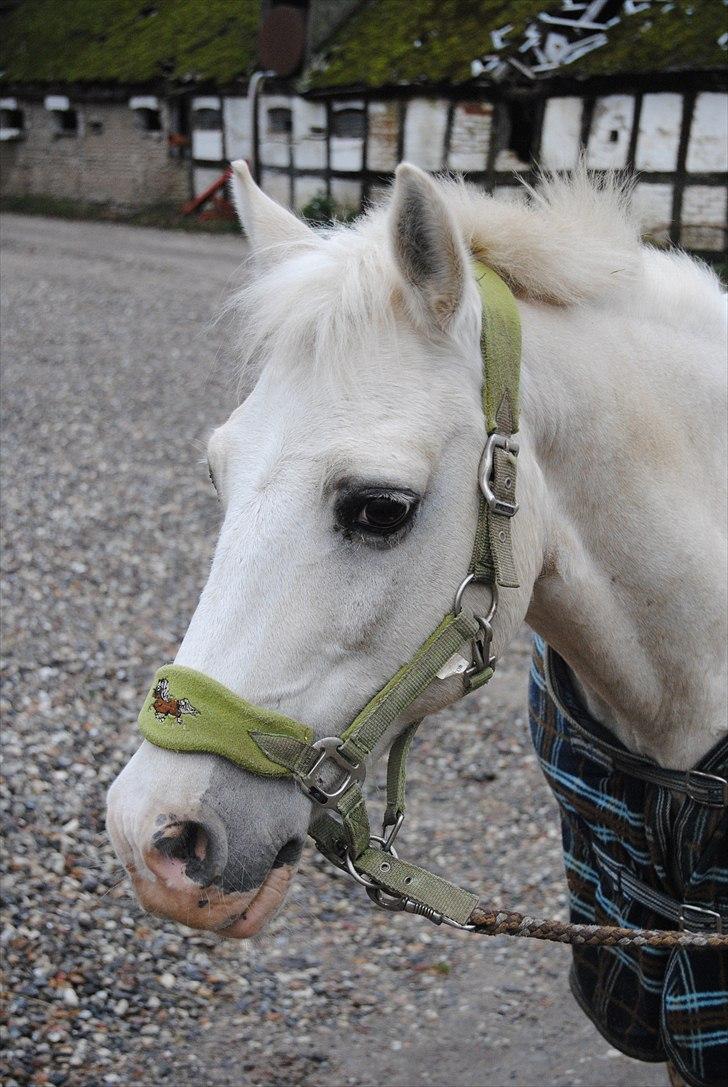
(164, 705)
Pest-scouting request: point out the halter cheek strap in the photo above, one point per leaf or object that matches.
(189, 712)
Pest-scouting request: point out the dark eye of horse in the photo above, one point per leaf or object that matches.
(377, 512)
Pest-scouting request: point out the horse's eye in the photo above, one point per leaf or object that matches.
(384, 513)
(377, 512)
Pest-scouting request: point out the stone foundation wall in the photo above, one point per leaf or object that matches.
(108, 160)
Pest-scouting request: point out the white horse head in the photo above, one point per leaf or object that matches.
(347, 479)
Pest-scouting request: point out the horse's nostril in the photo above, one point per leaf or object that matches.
(184, 842)
(193, 844)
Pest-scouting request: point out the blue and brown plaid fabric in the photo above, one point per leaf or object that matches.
(650, 1003)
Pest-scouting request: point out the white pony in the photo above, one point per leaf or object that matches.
(347, 481)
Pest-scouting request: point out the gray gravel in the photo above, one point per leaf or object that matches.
(113, 375)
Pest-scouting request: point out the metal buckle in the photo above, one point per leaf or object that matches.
(496, 440)
(312, 782)
(707, 789)
(699, 919)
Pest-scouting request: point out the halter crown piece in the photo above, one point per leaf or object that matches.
(331, 770)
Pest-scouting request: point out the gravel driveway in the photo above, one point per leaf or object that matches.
(113, 375)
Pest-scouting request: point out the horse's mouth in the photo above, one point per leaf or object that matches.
(268, 899)
(235, 915)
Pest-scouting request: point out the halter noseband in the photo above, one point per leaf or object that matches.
(331, 770)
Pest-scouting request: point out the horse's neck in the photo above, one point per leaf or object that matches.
(623, 420)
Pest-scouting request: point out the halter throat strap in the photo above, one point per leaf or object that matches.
(187, 711)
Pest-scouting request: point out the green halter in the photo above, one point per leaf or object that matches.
(188, 711)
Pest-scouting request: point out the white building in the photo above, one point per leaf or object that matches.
(633, 85)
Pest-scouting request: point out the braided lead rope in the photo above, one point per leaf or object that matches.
(492, 922)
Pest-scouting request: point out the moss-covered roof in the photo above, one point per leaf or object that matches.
(391, 42)
(127, 41)
(384, 43)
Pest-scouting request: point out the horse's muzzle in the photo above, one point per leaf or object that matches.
(232, 914)
(183, 877)
(206, 844)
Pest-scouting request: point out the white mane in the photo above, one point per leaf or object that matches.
(576, 241)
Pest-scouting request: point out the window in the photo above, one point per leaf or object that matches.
(207, 120)
(12, 123)
(614, 135)
(280, 121)
(348, 123)
(64, 122)
(519, 135)
(147, 120)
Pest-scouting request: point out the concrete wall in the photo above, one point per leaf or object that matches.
(108, 160)
(424, 133)
(383, 136)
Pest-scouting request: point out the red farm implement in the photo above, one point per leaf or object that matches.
(212, 202)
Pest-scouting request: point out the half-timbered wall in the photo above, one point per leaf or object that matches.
(676, 142)
(118, 152)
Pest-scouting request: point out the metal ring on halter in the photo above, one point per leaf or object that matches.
(385, 900)
(365, 881)
(509, 443)
(477, 579)
(385, 843)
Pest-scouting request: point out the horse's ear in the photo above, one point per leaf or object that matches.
(269, 227)
(427, 247)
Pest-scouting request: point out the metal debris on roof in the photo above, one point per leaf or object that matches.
(556, 39)
(498, 37)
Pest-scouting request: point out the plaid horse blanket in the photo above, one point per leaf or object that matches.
(653, 1004)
